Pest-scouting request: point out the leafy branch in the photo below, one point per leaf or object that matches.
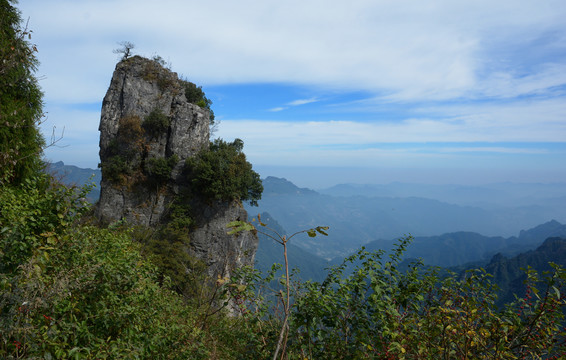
(283, 240)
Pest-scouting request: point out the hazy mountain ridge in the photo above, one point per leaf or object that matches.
(460, 251)
(495, 194)
(455, 249)
(73, 175)
(356, 220)
(509, 275)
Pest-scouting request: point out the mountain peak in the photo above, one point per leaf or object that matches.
(280, 186)
(551, 228)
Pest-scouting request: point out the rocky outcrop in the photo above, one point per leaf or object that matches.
(140, 87)
(208, 240)
(148, 129)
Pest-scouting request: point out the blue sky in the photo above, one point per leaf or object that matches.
(324, 92)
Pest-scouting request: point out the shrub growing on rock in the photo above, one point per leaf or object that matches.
(156, 123)
(222, 172)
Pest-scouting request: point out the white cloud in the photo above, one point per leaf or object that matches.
(409, 50)
(402, 51)
(350, 142)
(302, 102)
(293, 103)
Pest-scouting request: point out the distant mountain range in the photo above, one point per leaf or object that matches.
(507, 267)
(357, 220)
(509, 274)
(458, 248)
(73, 175)
(494, 195)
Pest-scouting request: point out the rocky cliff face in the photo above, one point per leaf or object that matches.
(140, 87)
(148, 129)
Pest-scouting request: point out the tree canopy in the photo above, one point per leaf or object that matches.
(21, 104)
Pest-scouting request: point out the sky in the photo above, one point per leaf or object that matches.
(327, 92)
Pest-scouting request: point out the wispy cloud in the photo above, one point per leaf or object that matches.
(277, 109)
(302, 102)
(493, 149)
(294, 103)
(485, 129)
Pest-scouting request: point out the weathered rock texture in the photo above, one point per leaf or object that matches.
(138, 87)
(128, 146)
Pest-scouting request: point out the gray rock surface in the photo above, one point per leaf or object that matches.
(138, 87)
(209, 242)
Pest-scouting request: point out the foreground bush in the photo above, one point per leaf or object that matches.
(91, 295)
(75, 291)
(71, 290)
(368, 308)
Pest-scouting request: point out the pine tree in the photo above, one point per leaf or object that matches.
(21, 103)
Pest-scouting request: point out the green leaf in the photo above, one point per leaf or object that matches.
(239, 226)
(319, 229)
(556, 291)
(322, 230)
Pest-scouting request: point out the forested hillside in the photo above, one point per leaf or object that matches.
(509, 273)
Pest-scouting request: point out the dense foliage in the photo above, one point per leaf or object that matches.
(20, 99)
(156, 123)
(196, 95)
(222, 172)
(72, 290)
(30, 213)
(375, 310)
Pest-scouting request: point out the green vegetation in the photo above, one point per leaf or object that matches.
(156, 123)
(125, 161)
(30, 214)
(20, 98)
(77, 291)
(195, 95)
(375, 310)
(72, 290)
(222, 172)
(121, 161)
(159, 170)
